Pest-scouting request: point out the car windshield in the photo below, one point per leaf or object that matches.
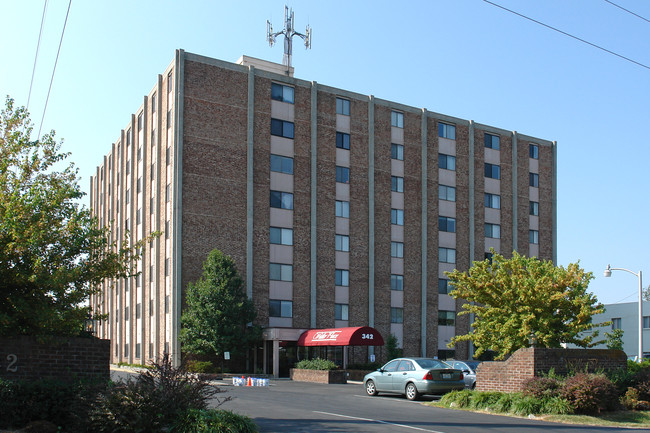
(431, 363)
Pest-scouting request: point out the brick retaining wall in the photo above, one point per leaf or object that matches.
(59, 358)
(510, 375)
(318, 376)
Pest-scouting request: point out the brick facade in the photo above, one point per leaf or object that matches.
(524, 364)
(24, 358)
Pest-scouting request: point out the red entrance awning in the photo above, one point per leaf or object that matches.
(355, 336)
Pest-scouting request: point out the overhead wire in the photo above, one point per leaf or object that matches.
(38, 44)
(568, 34)
(54, 69)
(627, 10)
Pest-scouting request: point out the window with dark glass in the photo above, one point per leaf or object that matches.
(492, 201)
(279, 308)
(533, 151)
(342, 174)
(282, 128)
(492, 141)
(533, 179)
(397, 217)
(447, 162)
(446, 130)
(281, 200)
(397, 282)
(342, 277)
(343, 140)
(446, 318)
(447, 224)
(443, 286)
(397, 151)
(534, 208)
(341, 311)
(397, 183)
(397, 119)
(342, 106)
(396, 315)
(281, 164)
(282, 93)
(492, 171)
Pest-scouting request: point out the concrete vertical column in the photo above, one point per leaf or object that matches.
(425, 235)
(265, 354)
(313, 210)
(276, 358)
(250, 127)
(472, 212)
(371, 216)
(514, 192)
(554, 224)
(175, 345)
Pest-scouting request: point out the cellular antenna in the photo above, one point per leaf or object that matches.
(288, 33)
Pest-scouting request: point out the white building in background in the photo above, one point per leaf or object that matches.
(625, 316)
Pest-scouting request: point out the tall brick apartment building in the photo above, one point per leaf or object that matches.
(339, 209)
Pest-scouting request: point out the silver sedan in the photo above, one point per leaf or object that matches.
(414, 377)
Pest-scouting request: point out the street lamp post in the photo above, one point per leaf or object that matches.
(608, 273)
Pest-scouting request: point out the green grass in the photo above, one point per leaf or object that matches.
(608, 419)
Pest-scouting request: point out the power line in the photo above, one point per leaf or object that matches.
(628, 11)
(38, 44)
(569, 35)
(54, 70)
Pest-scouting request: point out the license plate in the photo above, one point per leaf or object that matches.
(446, 375)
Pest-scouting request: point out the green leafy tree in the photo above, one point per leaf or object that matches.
(217, 312)
(52, 252)
(519, 300)
(615, 339)
(392, 351)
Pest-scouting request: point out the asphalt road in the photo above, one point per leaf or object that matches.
(295, 407)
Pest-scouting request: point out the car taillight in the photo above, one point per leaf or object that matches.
(428, 376)
(461, 376)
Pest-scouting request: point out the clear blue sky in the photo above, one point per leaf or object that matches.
(465, 58)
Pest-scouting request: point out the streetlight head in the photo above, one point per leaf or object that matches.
(608, 272)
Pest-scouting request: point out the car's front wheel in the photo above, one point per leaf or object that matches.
(412, 391)
(371, 389)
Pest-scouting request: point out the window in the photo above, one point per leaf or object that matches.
(128, 195)
(646, 321)
(281, 200)
(492, 141)
(446, 318)
(341, 311)
(153, 171)
(343, 209)
(396, 315)
(342, 106)
(153, 103)
(126, 349)
(280, 272)
(169, 83)
(446, 255)
(167, 304)
(169, 118)
(280, 308)
(140, 121)
(168, 193)
(397, 249)
(447, 224)
(126, 314)
(167, 229)
(616, 323)
(138, 185)
(139, 152)
(533, 151)
(126, 224)
(397, 184)
(168, 155)
(282, 93)
(492, 231)
(492, 171)
(397, 119)
(138, 217)
(151, 307)
(281, 164)
(447, 162)
(342, 174)
(281, 128)
(492, 201)
(281, 236)
(128, 167)
(488, 257)
(342, 243)
(138, 310)
(167, 267)
(343, 140)
(397, 151)
(443, 286)
(533, 236)
(150, 350)
(397, 216)
(446, 131)
(534, 208)
(533, 179)
(342, 277)
(446, 193)
(397, 282)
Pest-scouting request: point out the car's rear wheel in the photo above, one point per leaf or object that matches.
(371, 389)
(412, 391)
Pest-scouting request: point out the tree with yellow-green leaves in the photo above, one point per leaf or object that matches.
(521, 301)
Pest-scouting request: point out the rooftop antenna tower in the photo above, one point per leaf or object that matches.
(288, 33)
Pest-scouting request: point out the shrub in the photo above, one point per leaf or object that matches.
(317, 364)
(484, 399)
(194, 366)
(556, 406)
(541, 387)
(457, 398)
(53, 400)
(214, 421)
(504, 403)
(589, 393)
(525, 405)
(152, 402)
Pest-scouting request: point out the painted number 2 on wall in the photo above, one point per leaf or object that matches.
(11, 366)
